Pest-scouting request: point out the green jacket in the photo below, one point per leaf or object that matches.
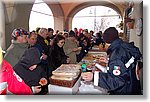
(68, 46)
(15, 52)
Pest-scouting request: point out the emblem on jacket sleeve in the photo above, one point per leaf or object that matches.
(116, 70)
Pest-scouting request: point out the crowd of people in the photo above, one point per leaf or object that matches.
(34, 55)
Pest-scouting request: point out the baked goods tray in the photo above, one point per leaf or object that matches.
(64, 83)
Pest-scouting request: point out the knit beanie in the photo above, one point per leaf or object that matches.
(110, 34)
(71, 33)
(18, 32)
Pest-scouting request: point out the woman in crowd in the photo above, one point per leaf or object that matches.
(58, 54)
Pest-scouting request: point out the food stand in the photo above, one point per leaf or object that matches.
(67, 78)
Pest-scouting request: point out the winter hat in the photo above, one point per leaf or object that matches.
(71, 33)
(18, 32)
(50, 29)
(110, 34)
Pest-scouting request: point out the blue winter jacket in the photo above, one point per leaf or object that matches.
(121, 77)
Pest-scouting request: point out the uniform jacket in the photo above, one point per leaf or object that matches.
(121, 79)
(15, 52)
(15, 85)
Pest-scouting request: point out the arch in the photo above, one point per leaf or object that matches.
(18, 17)
(40, 10)
(58, 15)
(70, 16)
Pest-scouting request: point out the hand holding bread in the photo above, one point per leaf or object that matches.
(43, 81)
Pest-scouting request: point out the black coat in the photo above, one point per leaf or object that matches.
(29, 58)
(83, 51)
(58, 56)
(44, 49)
(126, 82)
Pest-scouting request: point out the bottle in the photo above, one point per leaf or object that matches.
(83, 66)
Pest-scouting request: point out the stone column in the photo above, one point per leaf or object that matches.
(2, 26)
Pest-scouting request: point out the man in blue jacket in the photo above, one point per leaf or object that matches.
(121, 77)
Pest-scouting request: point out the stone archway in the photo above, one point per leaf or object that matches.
(19, 14)
(70, 16)
(58, 15)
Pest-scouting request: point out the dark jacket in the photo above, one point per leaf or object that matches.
(29, 58)
(51, 64)
(44, 49)
(83, 51)
(41, 42)
(126, 82)
(58, 56)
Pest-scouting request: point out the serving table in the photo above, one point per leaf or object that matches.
(77, 85)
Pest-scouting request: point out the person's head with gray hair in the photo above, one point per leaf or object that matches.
(43, 32)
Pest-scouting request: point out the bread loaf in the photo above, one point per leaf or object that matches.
(66, 72)
(62, 77)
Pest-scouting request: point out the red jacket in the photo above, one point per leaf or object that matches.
(15, 85)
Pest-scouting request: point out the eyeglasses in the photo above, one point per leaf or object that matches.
(62, 42)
